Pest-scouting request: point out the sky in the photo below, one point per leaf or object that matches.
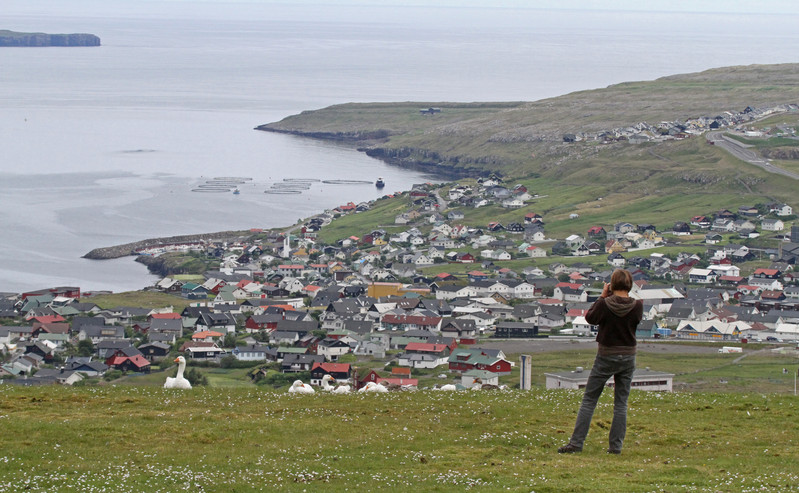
(78, 7)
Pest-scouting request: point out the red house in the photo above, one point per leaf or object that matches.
(372, 376)
(267, 321)
(339, 371)
(128, 359)
(463, 359)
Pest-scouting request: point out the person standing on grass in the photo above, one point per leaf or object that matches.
(617, 316)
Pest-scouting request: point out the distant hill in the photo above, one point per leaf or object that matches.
(11, 38)
(526, 139)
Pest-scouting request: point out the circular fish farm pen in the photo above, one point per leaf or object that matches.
(221, 184)
(240, 179)
(346, 182)
(295, 186)
(289, 186)
(283, 191)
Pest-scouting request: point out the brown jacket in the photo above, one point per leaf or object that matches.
(617, 318)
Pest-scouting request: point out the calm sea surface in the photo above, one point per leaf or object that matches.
(101, 146)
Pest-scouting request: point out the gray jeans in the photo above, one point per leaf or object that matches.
(621, 368)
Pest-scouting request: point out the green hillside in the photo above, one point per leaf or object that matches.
(222, 440)
(524, 140)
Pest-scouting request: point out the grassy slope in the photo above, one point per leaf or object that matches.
(656, 183)
(221, 440)
(143, 299)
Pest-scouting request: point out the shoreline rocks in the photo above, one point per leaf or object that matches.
(127, 249)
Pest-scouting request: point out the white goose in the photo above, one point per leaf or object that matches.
(340, 389)
(326, 383)
(300, 388)
(179, 382)
(373, 387)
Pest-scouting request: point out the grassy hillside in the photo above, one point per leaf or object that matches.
(222, 440)
(524, 140)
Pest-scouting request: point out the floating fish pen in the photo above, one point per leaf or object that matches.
(232, 178)
(283, 191)
(292, 184)
(347, 182)
(302, 180)
(221, 184)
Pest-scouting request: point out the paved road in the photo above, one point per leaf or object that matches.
(741, 151)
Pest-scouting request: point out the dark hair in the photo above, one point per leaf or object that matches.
(621, 280)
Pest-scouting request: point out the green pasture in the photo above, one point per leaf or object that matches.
(140, 299)
(235, 439)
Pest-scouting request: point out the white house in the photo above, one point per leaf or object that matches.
(642, 380)
(772, 225)
(332, 349)
(535, 252)
(701, 276)
(581, 327)
(725, 270)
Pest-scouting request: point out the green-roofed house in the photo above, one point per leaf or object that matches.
(493, 360)
(193, 291)
(478, 378)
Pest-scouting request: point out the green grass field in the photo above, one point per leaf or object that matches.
(143, 299)
(239, 440)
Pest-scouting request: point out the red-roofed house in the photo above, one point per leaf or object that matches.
(49, 328)
(128, 362)
(567, 291)
(207, 336)
(424, 355)
(574, 313)
(165, 316)
(476, 275)
(772, 295)
(372, 376)
(311, 290)
(348, 207)
(47, 319)
(576, 276)
(767, 273)
(734, 280)
(597, 233)
(341, 372)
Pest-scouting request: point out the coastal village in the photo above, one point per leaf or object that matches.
(286, 304)
(429, 295)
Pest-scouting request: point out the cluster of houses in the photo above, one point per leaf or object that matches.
(288, 299)
(645, 132)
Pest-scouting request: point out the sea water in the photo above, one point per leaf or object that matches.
(102, 146)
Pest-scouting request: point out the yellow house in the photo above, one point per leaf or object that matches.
(614, 246)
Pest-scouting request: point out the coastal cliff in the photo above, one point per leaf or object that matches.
(15, 39)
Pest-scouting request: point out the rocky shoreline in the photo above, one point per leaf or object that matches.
(134, 248)
(408, 158)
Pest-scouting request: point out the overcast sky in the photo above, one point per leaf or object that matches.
(780, 7)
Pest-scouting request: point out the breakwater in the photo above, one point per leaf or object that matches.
(137, 247)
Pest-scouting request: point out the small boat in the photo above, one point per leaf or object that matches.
(380, 183)
(236, 191)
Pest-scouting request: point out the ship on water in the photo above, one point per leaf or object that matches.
(380, 183)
